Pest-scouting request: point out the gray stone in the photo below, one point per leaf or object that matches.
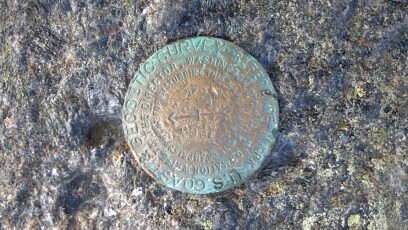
(340, 70)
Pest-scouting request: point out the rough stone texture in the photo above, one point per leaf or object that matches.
(340, 68)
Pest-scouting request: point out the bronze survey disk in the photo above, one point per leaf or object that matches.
(200, 115)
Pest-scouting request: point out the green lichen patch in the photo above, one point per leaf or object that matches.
(353, 221)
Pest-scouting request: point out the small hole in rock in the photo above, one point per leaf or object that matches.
(103, 134)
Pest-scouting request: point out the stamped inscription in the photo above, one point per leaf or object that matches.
(200, 115)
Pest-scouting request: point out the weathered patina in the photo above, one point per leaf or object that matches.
(201, 115)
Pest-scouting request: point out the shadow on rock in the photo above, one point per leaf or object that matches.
(79, 190)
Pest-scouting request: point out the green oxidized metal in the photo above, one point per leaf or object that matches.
(200, 115)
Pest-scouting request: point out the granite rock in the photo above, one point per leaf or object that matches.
(339, 67)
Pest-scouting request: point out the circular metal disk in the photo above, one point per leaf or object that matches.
(200, 115)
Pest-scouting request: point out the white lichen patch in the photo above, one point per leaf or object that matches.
(308, 222)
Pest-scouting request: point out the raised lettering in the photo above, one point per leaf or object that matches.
(135, 141)
(218, 183)
(234, 176)
(199, 185)
(189, 183)
(131, 129)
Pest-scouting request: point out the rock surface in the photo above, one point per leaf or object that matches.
(340, 69)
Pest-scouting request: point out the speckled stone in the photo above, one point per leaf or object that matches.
(339, 68)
